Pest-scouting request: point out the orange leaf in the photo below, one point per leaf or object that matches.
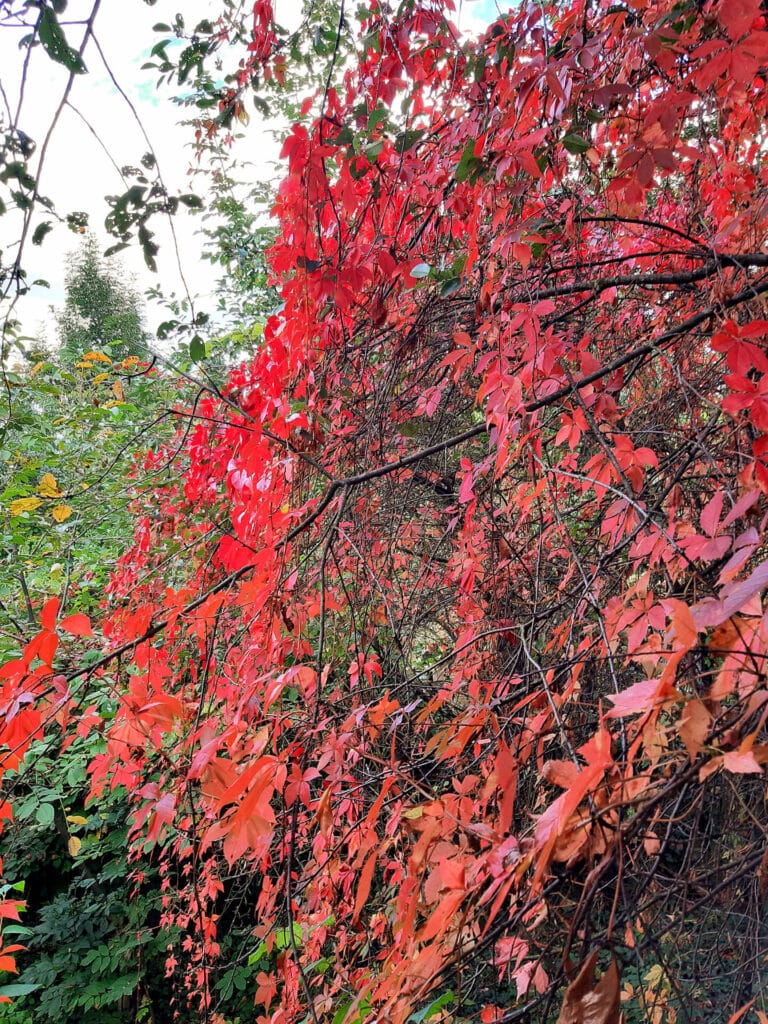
(681, 618)
(560, 773)
(694, 726)
(740, 1013)
(324, 814)
(364, 884)
(10, 909)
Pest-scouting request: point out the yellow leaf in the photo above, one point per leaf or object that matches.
(61, 513)
(413, 813)
(99, 357)
(74, 845)
(84, 366)
(117, 390)
(48, 488)
(100, 377)
(24, 505)
(36, 368)
(655, 975)
(77, 819)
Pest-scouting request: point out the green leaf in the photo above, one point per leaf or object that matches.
(410, 429)
(344, 138)
(421, 270)
(372, 150)
(407, 140)
(55, 43)
(17, 989)
(197, 349)
(575, 143)
(40, 232)
(341, 1013)
(44, 814)
(450, 287)
(192, 201)
(433, 1008)
(376, 117)
(17, 931)
(469, 164)
(308, 264)
(148, 247)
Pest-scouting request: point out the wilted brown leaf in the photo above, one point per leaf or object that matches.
(588, 1003)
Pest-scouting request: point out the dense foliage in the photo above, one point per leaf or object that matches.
(436, 664)
(66, 462)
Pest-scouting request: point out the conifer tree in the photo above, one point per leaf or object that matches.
(102, 310)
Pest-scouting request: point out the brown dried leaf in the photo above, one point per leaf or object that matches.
(588, 1003)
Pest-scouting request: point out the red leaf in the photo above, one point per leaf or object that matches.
(466, 490)
(710, 516)
(49, 612)
(77, 625)
(741, 762)
(452, 874)
(637, 699)
(744, 504)
(712, 612)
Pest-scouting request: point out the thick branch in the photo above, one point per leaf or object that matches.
(682, 277)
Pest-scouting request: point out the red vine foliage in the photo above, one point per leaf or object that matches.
(449, 634)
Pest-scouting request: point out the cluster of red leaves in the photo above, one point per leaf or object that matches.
(455, 606)
(31, 698)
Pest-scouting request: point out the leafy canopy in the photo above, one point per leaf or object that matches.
(443, 644)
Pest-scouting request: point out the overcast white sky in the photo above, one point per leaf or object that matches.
(78, 173)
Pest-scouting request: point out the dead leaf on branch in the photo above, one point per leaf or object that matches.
(588, 1003)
